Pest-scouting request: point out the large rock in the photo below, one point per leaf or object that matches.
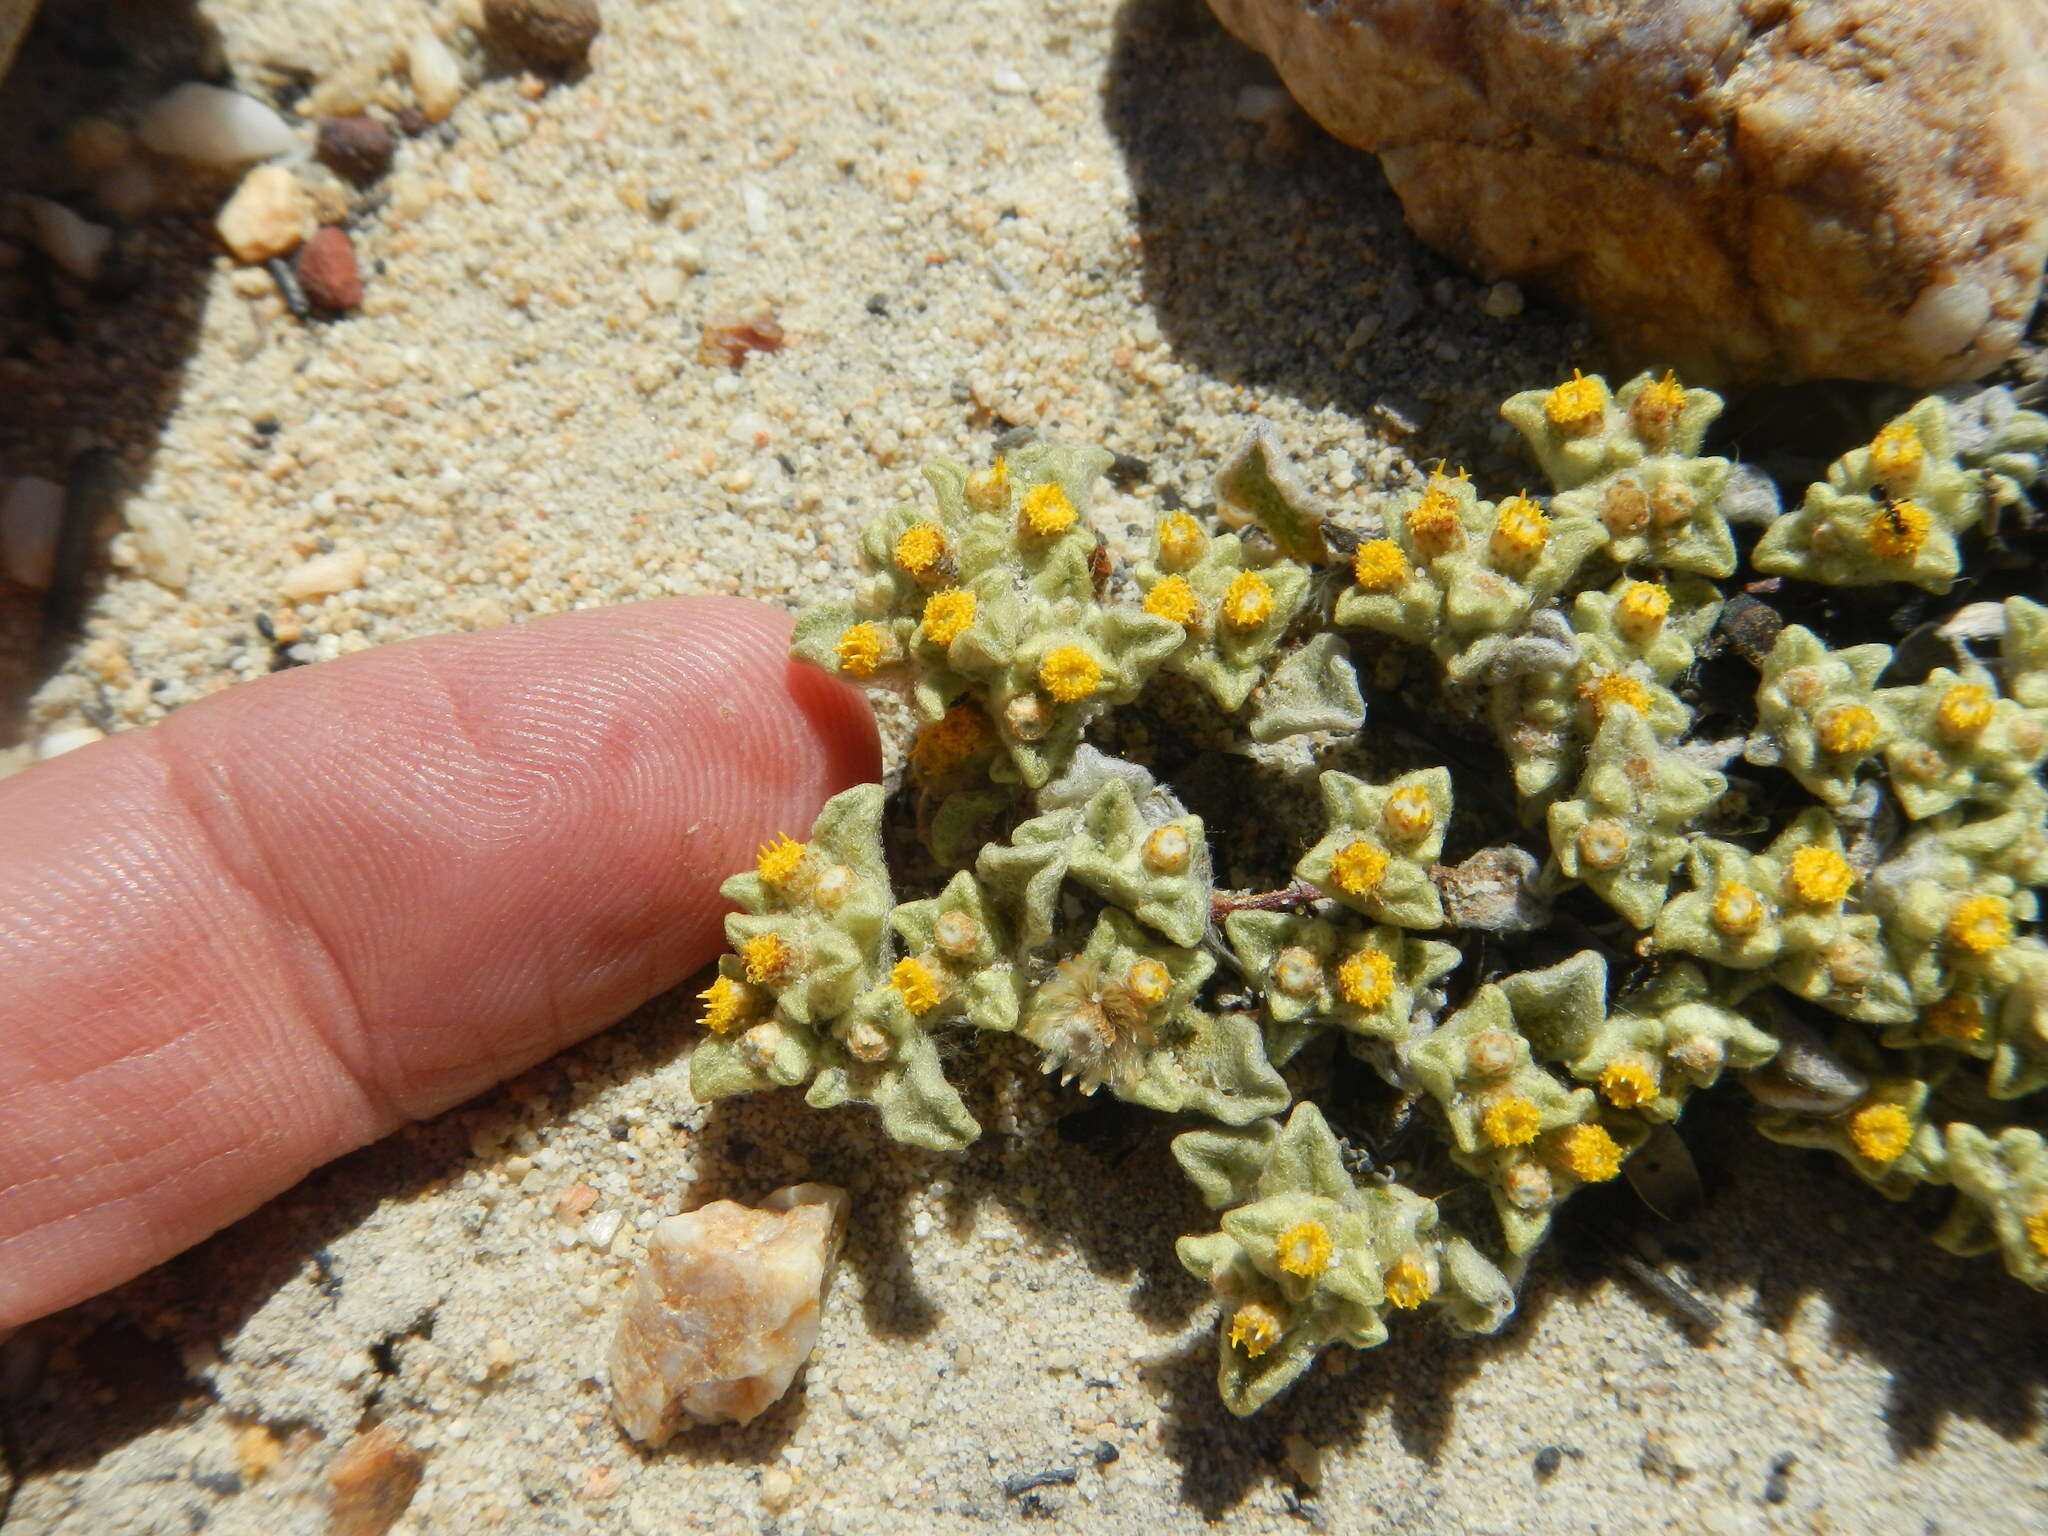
(724, 1310)
(1741, 188)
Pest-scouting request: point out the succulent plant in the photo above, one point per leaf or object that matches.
(1104, 745)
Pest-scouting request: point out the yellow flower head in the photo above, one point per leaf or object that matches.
(915, 983)
(1964, 711)
(948, 614)
(1149, 981)
(1642, 610)
(1046, 510)
(1881, 1131)
(768, 959)
(1520, 530)
(1577, 407)
(1818, 876)
(1511, 1121)
(1297, 971)
(1433, 522)
(1408, 1284)
(1612, 688)
(1167, 850)
(2037, 1229)
(1365, 979)
(1255, 1328)
(1589, 1154)
(778, 862)
(1738, 910)
(1980, 924)
(920, 548)
(1173, 598)
(1249, 602)
(1069, 673)
(1846, 729)
(1959, 1016)
(1896, 456)
(988, 490)
(1897, 530)
(1358, 868)
(1303, 1249)
(726, 1005)
(1656, 408)
(1409, 813)
(1629, 1082)
(1379, 566)
(1181, 540)
(948, 742)
(860, 650)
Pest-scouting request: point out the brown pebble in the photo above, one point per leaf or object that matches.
(374, 1479)
(357, 148)
(552, 32)
(328, 271)
(572, 1203)
(730, 342)
(412, 122)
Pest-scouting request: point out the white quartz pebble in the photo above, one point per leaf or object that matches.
(219, 127)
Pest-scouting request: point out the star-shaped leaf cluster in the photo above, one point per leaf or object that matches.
(1306, 1259)
(1382, 840)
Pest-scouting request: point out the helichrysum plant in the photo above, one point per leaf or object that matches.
(1837, 859)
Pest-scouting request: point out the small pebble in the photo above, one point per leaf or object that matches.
(57, 743)
(373, 1481)
(557, 33)
(1305, 1461)
(30, 515)
(324, 575)
(777, 1489)
(1548, 1460)
(163, 542)
(602, 1228)
(218, 127)
(266, 217)
(96, 145)
(1027, 1482)
(436, 77)
(73, 242)
(257, 1452)
(1503, 301)
(1778, 1486)
(1007, 82)
(328, 271)
(357, 148)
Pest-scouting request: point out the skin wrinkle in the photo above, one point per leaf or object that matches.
(188, 913)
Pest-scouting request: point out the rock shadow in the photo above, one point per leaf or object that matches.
(1275, 256)
(91, 370)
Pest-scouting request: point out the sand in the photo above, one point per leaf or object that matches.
(1098, 221)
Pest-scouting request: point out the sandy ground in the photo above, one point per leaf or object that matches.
(1093, 219)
